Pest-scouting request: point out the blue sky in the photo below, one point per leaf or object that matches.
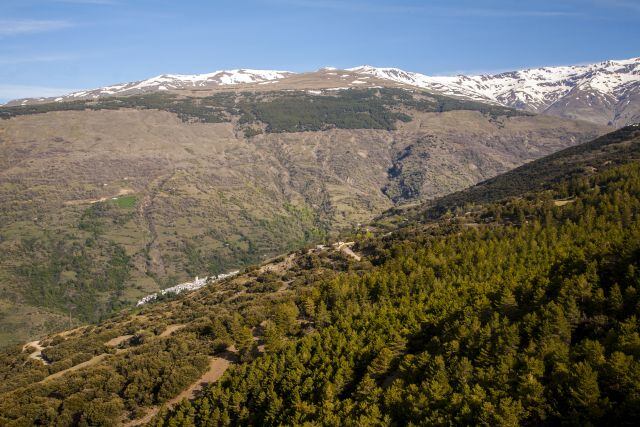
(53, 46)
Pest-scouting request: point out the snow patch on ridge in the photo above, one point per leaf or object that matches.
(167, 82)
(533, 89)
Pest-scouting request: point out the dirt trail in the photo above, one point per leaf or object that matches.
(92, 361)
(217, 368)
(96, 359)
(345, 248)
(144, 420)
(121, 192)
(71, 331)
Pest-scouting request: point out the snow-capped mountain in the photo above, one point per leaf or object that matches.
(166, 82)
(605, 92)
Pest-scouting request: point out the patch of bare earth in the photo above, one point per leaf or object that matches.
(171, 329)
(563, 202)
(37, 354)
(122, 192)
(345, 248)
(114, 342)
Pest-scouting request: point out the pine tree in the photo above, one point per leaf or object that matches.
(273, 337)
(381, 363)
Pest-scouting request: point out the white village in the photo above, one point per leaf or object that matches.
(187, 286)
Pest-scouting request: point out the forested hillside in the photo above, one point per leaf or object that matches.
(521, 310)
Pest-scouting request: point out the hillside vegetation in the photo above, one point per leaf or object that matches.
(106, 201)
(284, 111)
(517, 311)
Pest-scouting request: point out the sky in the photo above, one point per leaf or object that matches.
(50, 47)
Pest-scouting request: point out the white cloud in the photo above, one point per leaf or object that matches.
(9, 92)
(10, 60)
(508, 13)
(346, 5)
(27, 26)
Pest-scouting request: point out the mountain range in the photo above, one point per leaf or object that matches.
(606, 93)
(342, 247)
(113, 194)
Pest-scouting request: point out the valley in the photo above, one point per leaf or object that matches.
(117, 199)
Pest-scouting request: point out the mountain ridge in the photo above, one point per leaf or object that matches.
(612, 84)
(165, 82)
(606, 92)
(582, 75)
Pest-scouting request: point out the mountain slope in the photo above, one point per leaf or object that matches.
(106, 201)
(611, 149)
(523, 318)
(605, 92)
